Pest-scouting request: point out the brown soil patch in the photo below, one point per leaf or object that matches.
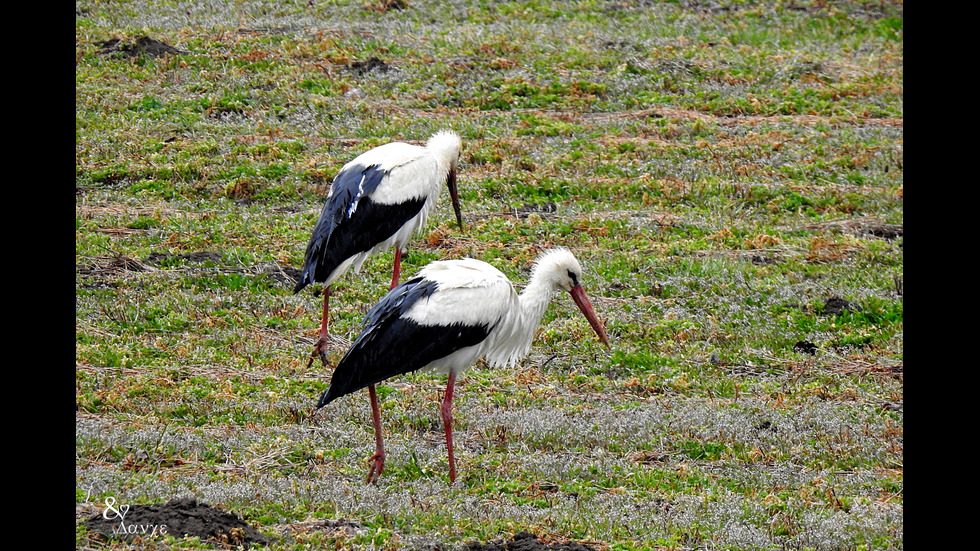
(178, 518)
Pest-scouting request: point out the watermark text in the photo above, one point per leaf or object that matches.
(112, 512)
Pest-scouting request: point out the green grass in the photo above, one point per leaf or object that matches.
(721, 170)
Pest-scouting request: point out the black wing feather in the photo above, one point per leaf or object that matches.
(352, 223)
(390, 345)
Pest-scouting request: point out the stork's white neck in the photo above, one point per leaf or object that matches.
(535, 299)
(553, 271)
(514, 342)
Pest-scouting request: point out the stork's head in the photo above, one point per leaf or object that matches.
(447, 146)
(561, 269)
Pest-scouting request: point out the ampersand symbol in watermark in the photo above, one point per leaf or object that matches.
(120, 513)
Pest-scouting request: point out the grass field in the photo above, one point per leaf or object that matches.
(729, 173)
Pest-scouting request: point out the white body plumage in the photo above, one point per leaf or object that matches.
(453, 313)
(411, 171)
(472, 292)
(379, 200)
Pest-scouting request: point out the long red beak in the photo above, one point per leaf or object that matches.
(454, 194)
(582, 301)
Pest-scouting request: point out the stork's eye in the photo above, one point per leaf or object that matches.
(573, 278)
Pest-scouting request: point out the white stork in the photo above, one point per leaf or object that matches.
(378, 200)
(449, 315)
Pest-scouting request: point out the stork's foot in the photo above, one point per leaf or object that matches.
(377, 466)
(319, 349)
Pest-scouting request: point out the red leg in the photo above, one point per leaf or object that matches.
(447, 421)
(376, 461)
(320, 347)
(396, 268)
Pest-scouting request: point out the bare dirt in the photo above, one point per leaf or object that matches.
(191, 518)
(526, 541)
(137, 47)
(179, 517)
